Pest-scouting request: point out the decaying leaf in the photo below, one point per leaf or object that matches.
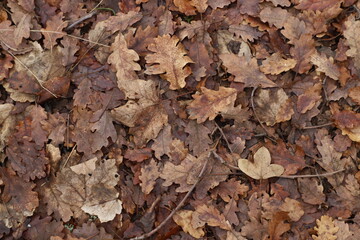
(91, 190)
(275, 64)
(149, 174)
(273, 106)
(143, 112)
(246, 71)
(210, 103)
(261, 168)
(169, 59)
(326, 65)
(325, 229)
(183, 218)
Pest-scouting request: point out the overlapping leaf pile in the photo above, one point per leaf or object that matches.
(114, 113)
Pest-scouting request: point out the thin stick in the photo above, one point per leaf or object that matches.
(67, 159)
(313, 175)
(32, 73)
(73, 36)
(223, 135)
(149, 234)
(318, 126)
(256, 116)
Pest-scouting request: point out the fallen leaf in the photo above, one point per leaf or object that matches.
(183, 218)
(325, 229)
(149, 174)
(170, 60)
(275, 64)
(352, 39)
(211, 216)
(210, 103)
(325, 65)
(261, 168)
(312, 191)
(246, 71)
(273, 106)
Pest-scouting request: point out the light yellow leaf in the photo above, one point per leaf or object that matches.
(183, 219)
(261, 168)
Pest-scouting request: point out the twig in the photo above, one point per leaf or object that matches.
(223, 135)
(89, 15)
(152, 232)
(318, 126)
(224, 162)
(73, 36)
(313, 175)
(67, 159)
(256, 116)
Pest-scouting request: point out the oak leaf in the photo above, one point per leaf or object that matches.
(317, 5)
(246, 71)
(275, 64)
(325, 65)
(230, 190)
(246, 32)
(22, 29)
(149, 174)
(277, 225)
(311, 191)
(273, 106)
(198, 139)
(274, 16)
(162, 143)
(92, 192)
(309, 99)
(169, 59)
(183, 218)
(43, 229)
(124, 60)
(53, 30)
(143, 112)
(210, 103)
(19, 201)
(211, 216)
(352, 36)
(261, 168)
(326, 229)
(349, 123)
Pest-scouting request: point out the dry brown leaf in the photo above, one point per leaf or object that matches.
(274, 16)
(211, 216)
(311, 191)
(53, 30)
(326, 229)
(142, 113)
(210, 103)
(149, 174)
(325, 65)
(349, 123)
(309, 99)
(183, 218)
(184, 174)
(246, 71)
(246, 32)
(283, 3)
(293, 209)
(352, 36)
(277, 225)
(261, 168)
(354, 94)
(93, 192)
(169, 59)
(275, 64)
(273, 106)
(198, 139)
(124, 60)
(22, 30)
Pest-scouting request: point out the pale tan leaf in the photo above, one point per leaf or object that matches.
(183, 218)
(325, 65)
(85, 167)
(326, 229)
(275, 64)
(246, 71)
(169, 59)
(124, 60)
(261, 168)
(210, 103)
